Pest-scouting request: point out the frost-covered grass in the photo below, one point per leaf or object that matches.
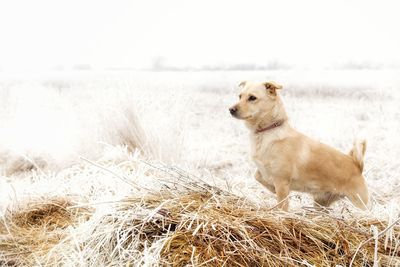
(91, 137)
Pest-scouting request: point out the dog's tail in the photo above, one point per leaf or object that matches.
(358, 152)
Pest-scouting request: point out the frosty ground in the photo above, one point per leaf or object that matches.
(76, 134)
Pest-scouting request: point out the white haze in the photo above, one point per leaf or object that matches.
(47, 34)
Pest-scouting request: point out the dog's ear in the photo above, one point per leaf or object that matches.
(242, 84)
(272, 87)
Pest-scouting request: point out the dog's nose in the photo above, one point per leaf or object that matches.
(233, 110)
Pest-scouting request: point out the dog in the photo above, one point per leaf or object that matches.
(287, 160)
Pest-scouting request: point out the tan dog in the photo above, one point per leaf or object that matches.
(288, 160)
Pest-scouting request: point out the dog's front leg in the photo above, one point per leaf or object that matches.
(260, 179)
(282, 187)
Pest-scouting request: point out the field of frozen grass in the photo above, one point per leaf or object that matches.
(96, 137)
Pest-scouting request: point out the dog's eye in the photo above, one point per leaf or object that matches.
(240, 96)
(252, 98)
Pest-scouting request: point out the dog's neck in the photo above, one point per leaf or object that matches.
(270, 127)
(277, 118)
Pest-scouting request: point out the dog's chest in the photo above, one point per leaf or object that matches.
(261, 152)
(261, 146)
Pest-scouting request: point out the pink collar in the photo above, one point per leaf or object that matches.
(270, 127)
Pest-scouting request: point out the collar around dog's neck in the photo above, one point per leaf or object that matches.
(270, 127)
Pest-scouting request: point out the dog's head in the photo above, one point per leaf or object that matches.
(255, 100)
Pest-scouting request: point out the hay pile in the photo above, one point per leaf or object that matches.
(202, 228)
(189, 222)
(192, 223)
(29, 231)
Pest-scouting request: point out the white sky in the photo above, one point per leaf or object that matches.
(45, 33)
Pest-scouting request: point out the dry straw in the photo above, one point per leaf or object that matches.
(29, 231)
(203, 228)
(192, 223)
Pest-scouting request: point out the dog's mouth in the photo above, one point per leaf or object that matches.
(236, 114)
(240, 118)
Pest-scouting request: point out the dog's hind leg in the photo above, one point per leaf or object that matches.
(358, 193)
(325, 199)
(360, 201)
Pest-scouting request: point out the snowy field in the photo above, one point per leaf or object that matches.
(73, 134)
